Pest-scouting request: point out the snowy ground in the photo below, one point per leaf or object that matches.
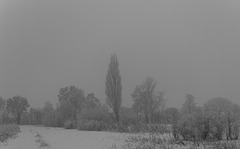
(59, 138)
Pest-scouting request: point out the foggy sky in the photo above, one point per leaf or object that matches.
(187, 46)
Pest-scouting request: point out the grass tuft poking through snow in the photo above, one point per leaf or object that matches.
(39, 139)
(156, 141)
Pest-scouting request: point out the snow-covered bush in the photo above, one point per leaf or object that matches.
(94, 119)
(42, 142)
(8, 131)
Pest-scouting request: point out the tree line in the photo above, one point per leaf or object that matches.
(216, 119)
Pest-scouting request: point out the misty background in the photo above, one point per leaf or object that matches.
(187, 46)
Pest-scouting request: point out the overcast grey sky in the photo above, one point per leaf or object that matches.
(188, 46)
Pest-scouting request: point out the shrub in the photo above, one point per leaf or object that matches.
(8, 131)
(186, 127)
(128, 117)
(151, 141)
(152, 128)
(92, 125)
(226, 145)
(94, 119)
(159, 128)
(6, 119)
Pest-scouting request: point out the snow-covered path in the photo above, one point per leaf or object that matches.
(59, 138)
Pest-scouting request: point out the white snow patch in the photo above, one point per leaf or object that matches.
(59, 138)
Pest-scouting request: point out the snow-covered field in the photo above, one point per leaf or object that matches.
(31, 137)
(59, 138)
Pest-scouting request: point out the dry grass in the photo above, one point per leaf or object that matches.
(42, 142)
(157, 141)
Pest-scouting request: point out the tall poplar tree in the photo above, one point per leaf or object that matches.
(114, 87)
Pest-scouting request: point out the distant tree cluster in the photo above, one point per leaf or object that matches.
(217, 119)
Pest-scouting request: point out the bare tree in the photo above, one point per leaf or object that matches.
(35, 116)
(71, 100)
(145, 98)
(114, 87)
(189, 106)
(16, 106)
(48, 114)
